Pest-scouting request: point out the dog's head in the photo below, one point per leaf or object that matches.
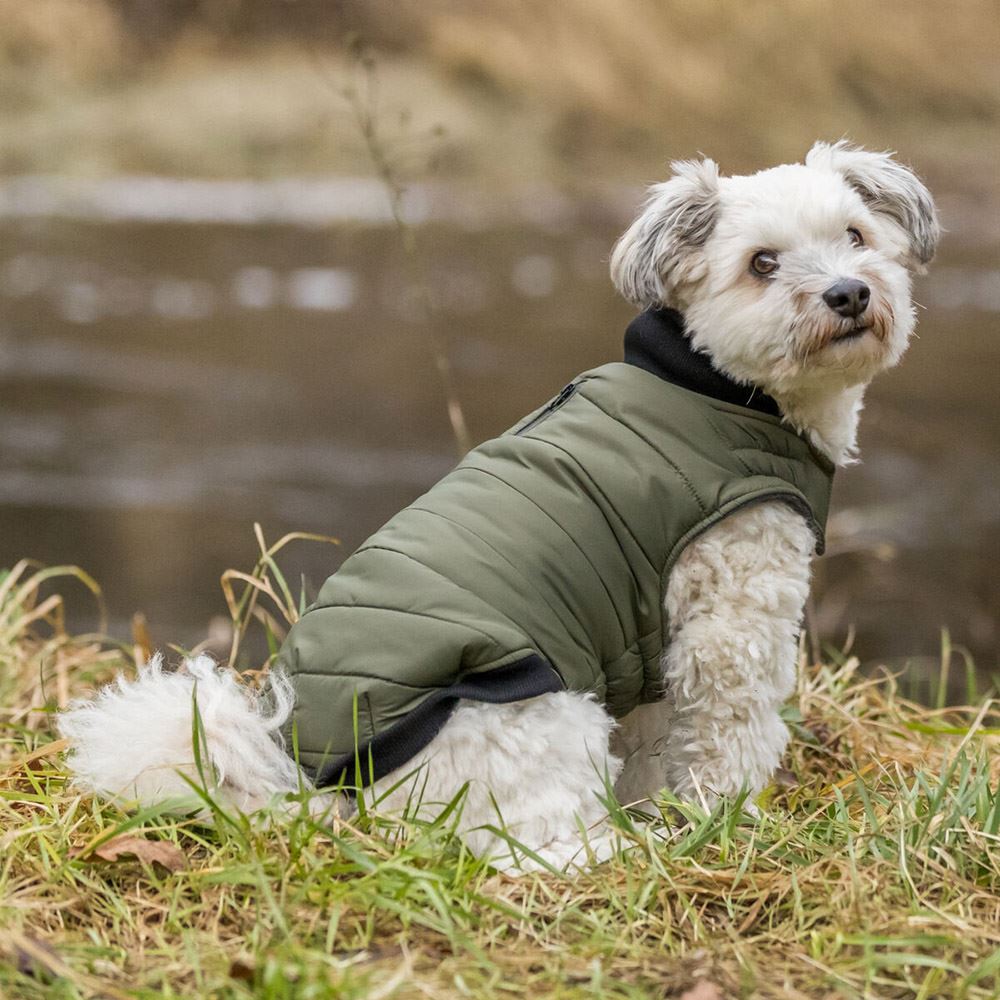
(791, 277)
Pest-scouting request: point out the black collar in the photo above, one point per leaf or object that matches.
(656, 342)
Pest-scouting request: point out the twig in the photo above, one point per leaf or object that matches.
(363, 100)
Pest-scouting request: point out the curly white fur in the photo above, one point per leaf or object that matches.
(536, 769)
(735, 603)
(735, 598)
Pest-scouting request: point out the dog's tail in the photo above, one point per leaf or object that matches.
(140, 739)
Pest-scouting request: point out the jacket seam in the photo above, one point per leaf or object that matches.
(515, 625)
(788, 495)
(491, 665)
(523, 576)
(721, 438)
(576, 544)
(702, 506)
(738, 451)
(400, 611)
(634, 645)
(784, 458)
(577, 464)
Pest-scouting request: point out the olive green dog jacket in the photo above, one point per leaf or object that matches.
(540, 563)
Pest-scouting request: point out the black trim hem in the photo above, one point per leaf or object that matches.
(403, 740)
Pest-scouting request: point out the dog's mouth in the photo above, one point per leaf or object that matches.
(852, 333)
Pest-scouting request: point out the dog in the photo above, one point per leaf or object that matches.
(621, 575)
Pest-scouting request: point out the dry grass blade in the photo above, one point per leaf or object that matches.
(48, 750)
(16, 600)
(262, 580)
(36, 653)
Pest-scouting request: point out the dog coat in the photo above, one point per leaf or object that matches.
(540, 563)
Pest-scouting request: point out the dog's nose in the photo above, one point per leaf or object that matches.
(848, 297)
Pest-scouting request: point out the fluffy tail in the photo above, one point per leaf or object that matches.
(134, 740)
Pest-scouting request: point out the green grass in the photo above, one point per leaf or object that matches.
(874, 870)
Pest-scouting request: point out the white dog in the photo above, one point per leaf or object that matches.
(781, 293)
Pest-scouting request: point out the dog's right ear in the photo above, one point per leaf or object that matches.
(660, 251)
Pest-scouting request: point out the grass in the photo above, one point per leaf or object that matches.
(874, 869)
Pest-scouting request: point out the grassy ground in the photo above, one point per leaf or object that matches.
(874, 871)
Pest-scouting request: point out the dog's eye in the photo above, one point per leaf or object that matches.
(857, 240)
(764, 262)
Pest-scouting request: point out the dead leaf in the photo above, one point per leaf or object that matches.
(242, 969)
(702, 990)
(160, 852)
(824, 735)
(41, 961)
(35, 958)
(784, 778)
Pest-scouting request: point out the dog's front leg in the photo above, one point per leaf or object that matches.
(734, 603)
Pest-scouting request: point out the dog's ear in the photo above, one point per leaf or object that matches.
(887, 187)
(660, 250)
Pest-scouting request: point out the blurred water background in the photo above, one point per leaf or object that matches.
(209, 316)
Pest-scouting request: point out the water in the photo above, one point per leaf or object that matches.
(179, 362)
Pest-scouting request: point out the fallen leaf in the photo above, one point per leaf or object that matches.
(242, 969)
(160, 852)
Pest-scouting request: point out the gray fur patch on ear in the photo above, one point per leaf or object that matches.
(659, 249)
(887, 187)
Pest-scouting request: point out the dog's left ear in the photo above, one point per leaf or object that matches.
(887, 187)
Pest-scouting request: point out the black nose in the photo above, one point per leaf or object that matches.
(848, 297)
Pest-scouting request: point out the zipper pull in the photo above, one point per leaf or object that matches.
(564, 394)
